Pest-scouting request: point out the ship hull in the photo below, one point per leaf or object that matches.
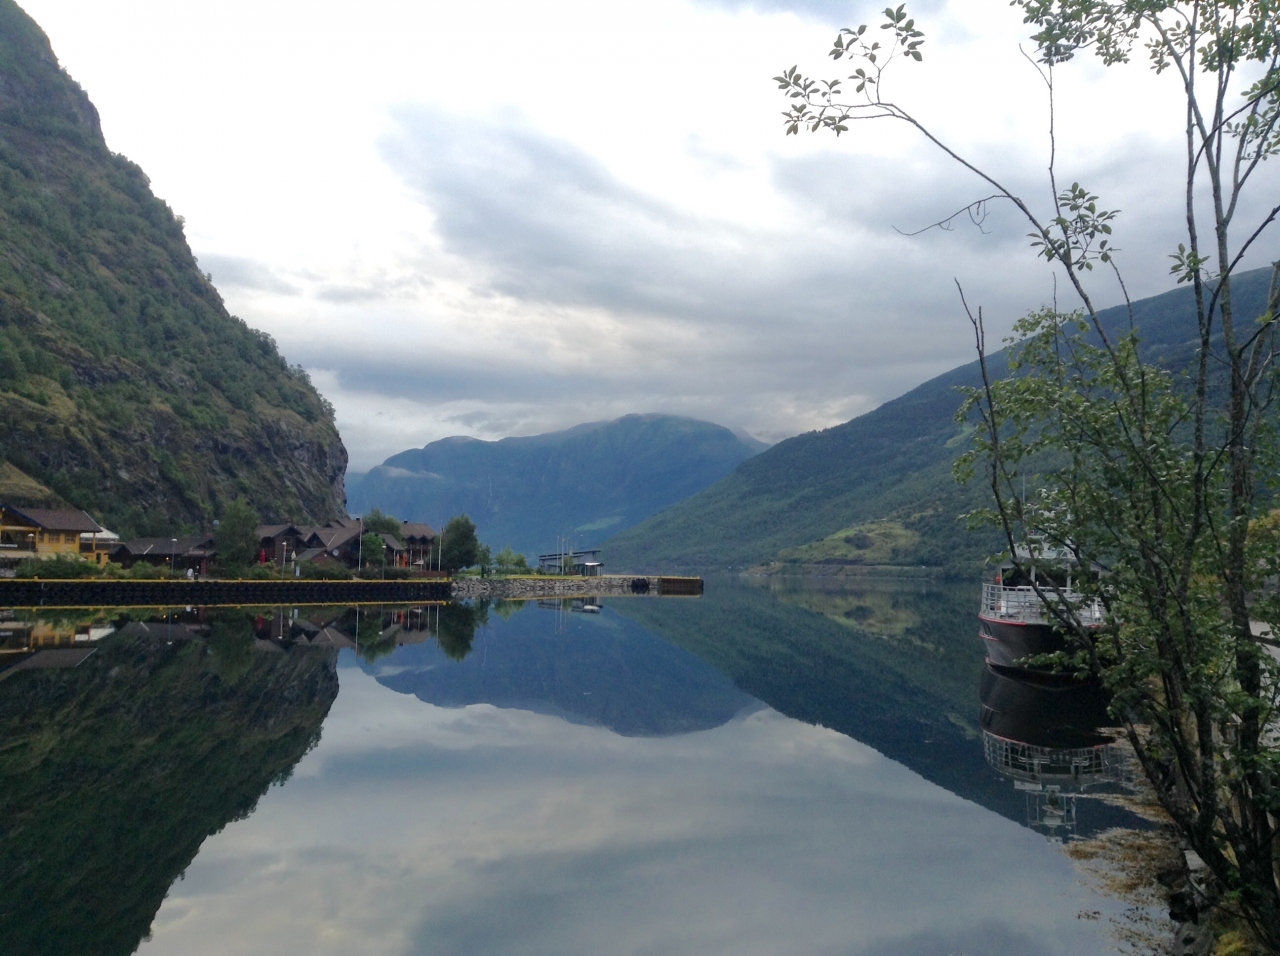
(1010, 644)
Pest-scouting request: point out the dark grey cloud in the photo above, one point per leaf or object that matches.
(349, 293)
(907, 198)
(551, 224)
(242, 273)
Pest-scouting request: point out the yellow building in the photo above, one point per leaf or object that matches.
(51, 533)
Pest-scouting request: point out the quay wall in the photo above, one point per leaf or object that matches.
(86, 593)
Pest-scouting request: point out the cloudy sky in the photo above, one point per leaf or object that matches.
(503, 218)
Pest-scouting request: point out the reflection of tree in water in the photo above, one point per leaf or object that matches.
(376, 633)
(230, 645)
(114, 772)
(457, 627)
(507, 609)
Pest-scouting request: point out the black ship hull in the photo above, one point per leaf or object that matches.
(1010, 644)
(1042, 711)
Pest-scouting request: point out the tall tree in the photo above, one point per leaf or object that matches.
(1151, 480)
(459, 546)
(379, 523)
(235, 540)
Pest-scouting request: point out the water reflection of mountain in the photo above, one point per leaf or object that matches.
(115, 771)
(814, 654)
(588, 668)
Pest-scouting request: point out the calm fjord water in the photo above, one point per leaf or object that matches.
(765, 770)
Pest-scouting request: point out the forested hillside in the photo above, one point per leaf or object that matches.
(582, 484)
(880, 484)
(125, 387)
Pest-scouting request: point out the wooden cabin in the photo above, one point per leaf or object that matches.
(419, 540)
(178, 554)
(52, 533)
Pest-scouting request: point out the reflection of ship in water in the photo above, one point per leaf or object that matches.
(1045, 734)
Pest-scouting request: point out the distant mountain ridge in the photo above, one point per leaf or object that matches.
(582, 483)
(125, 387)
(884, 476)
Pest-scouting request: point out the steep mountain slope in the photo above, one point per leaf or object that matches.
(125, 387)
(583, 483)
(889, 465)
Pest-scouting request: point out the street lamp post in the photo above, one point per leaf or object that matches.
(173, 555)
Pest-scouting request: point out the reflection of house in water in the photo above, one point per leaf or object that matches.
(1046, 736)
(44, 645)
(340, 627)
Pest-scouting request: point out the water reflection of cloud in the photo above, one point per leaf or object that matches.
(413, 829)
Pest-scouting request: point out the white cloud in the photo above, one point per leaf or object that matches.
(415, 829)
(478, 218)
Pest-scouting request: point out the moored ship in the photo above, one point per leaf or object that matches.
(1014, 622)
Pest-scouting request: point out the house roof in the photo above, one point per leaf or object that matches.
(330, 538)
(392, 542)
(167, 546)
(275, 530)
(57, 519)
(412, 529)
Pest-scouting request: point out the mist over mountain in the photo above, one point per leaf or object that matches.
(877, 490)
(125, 386)
(581, 484)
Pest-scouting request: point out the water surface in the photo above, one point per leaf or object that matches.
(765, 770)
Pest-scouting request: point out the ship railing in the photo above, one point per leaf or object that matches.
(1023, 605)
(1078, 765)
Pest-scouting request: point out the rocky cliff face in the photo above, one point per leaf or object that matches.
(125, 386)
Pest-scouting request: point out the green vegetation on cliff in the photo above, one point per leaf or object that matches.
(125, 387)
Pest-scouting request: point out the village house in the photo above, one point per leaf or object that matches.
(419, 540)
(586, 563)
(44, 533)
(340, 540)
(278, 543)
(393, 551)
(178, 554)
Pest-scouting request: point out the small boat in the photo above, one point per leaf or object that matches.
(1014, 622)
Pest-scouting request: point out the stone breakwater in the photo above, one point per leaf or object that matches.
(518, 589)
